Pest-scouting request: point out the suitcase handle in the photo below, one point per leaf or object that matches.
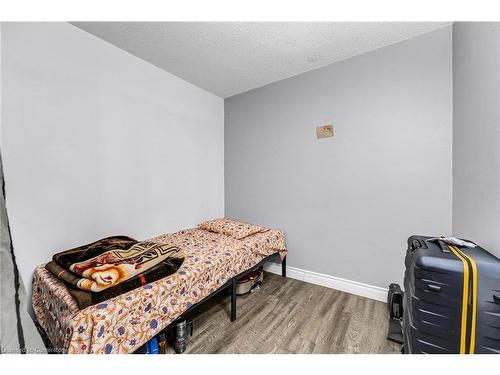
(417, 244)
(496, 298)
(434, 288)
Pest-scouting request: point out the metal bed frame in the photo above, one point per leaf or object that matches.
(233, 284)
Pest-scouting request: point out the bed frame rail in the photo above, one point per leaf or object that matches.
(233, 283)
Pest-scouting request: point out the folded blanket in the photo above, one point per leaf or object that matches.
(113, 265)
(81, 253)
(110, 261)
(85, 298)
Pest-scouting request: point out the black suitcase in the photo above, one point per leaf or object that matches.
(451, 300)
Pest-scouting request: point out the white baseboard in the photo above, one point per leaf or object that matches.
(344, 285)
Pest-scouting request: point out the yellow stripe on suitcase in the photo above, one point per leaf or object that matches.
(474, 301)
(465, 294)
(465, 300)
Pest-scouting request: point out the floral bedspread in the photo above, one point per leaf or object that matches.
(122, 324)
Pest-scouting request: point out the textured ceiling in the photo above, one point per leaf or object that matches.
(227, 58)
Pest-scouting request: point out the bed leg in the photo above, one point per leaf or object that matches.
(233, 299)
(283, 267)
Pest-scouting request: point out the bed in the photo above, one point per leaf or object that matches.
(122, 324)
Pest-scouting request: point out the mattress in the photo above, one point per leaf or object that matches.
(124, 323)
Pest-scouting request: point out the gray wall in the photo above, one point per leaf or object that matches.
(348, 204)
(98, 142)
(476, 133)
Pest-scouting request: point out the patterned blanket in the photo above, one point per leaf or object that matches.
(112, 266)
(123, 323)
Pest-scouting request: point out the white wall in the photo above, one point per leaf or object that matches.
(476, 133)
(348, 204)
(97, 142)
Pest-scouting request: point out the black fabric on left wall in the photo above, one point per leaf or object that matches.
(17, 330)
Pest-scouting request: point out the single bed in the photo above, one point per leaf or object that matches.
(122, 324)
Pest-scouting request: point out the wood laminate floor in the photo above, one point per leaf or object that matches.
(291, 316)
